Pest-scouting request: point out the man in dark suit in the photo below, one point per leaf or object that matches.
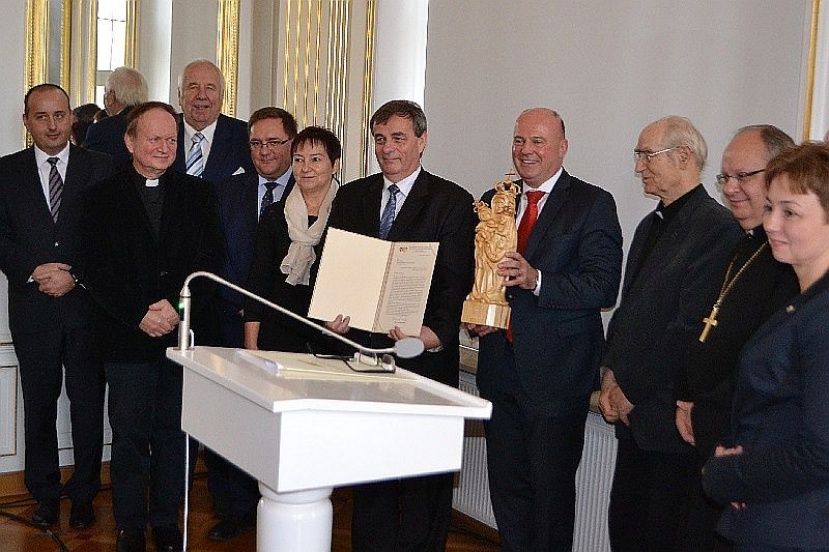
(49, 310)
(144, 232)
(757, 286)
(210, 145)
(124, 88)
(411, 514)
(672, 275)
(540, 374)
(241, 200)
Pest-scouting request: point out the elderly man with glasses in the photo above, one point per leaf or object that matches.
(753, 287)
(676, 258)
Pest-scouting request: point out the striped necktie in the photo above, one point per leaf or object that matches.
(387, 219)
(55, 188)
(195, 159)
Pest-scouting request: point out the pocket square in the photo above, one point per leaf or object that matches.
(240, 170)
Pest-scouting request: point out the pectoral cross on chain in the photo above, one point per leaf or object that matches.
(710, 322)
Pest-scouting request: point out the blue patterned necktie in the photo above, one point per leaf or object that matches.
(55, 188)
(195, 159)
(267, 199)
(387, 219)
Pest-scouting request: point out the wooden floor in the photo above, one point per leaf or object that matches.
(16, 534)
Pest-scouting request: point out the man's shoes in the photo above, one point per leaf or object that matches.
(168, 538)
(228, 529)
(46, 513)
(130, 541)
(82, 515)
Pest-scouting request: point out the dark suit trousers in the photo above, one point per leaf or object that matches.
(532, 458)
(43, 358)
(406, 515)
(147, 442)
(649, 498)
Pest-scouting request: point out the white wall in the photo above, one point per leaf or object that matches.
(609, 68)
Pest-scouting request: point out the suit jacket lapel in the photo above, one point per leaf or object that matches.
(31, 181)
(249, 203)
(371, 205)
(220, 146)
(552, 206)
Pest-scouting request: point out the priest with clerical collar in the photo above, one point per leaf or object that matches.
(145, 231)
(673, 273)
(753, 287)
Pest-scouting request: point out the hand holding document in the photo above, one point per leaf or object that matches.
(379, 284)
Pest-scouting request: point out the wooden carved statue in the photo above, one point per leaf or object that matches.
(494, 236)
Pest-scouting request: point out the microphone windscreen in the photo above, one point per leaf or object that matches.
(408, 347)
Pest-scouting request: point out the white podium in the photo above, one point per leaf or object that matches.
(303, 425)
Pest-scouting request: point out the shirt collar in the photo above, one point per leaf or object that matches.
(547, 185)
(405, 185)
(41, 156)
(207, 132)
(281, 181)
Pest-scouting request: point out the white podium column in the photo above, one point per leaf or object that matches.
(294, 522)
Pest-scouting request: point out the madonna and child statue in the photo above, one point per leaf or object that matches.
(495, 234)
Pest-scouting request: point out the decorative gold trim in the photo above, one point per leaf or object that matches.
(228, 51)
(336, 106)
(37, 45)
(92, 50)
(368, 72)
(65, 44)
(286, 61)
(810, 75)
(131, 42)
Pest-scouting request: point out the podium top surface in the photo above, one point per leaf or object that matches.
(282, 382)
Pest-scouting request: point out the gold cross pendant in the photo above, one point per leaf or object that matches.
(710, 322)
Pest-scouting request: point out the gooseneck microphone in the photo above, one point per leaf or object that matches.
(408, 347)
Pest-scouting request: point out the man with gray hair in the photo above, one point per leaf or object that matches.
(753, 287)
(124, 89)
(672, 274)
(211, 145)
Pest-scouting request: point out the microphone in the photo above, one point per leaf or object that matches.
(408, 347)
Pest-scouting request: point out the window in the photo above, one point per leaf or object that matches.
(112, 39)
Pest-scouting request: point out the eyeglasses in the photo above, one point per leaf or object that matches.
(274, 143)
(646, 156)
(722, 178)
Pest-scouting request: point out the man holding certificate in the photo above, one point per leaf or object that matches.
(406, 203)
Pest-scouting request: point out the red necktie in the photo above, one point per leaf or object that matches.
(525, 228)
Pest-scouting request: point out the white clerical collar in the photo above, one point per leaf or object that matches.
(405, 185)
(151, 183)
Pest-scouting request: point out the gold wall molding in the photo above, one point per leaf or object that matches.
(326, 57)
(810, 71)
(368, 89)
(227, 52)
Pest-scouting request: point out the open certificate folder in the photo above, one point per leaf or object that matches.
(379, 284)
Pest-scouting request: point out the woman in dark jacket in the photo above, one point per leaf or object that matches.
(287, 249)
(775, 470)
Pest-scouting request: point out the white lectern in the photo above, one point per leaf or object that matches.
(303, 425)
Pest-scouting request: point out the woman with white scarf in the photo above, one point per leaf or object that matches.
(287, 247)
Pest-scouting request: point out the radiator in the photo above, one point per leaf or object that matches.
(593, 479)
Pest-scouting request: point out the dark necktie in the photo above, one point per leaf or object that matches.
(387, 219)
(55, 188)
(527, 223)
(267, 199)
